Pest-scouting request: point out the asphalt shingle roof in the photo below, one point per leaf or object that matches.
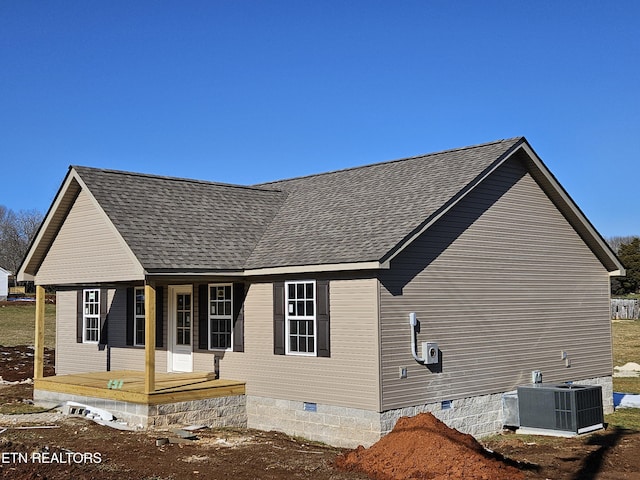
(179, 224)
(354, 215)
(361, 214)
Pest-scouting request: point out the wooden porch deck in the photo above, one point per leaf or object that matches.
(170, 387)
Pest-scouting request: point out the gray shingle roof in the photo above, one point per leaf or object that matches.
(178, 224)
(361, 214)
(354, 215)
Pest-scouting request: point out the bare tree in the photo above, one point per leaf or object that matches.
(16, 233)
(615, 242)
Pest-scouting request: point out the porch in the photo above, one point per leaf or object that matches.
(128, 386)
(143, 398)
(178, 398)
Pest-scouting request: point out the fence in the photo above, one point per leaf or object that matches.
(625, 308)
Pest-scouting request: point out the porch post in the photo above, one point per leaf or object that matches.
(149, 338)
(38, 364)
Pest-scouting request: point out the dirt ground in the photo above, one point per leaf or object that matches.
(422, 448)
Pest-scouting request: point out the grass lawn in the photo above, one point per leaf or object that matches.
(626, 348)
(626, 342)
(17, 324)
(628, 418)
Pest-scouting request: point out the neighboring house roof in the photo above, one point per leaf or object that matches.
(348, 219)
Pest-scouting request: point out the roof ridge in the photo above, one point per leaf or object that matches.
(177, 179)
(397, 160)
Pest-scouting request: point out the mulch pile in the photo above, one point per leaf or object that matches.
(422, 447)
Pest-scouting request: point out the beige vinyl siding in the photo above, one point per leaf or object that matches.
(132, 358)
(348, 378)
(73, 357)
(47, 232)
(504, 284)
(87, 249)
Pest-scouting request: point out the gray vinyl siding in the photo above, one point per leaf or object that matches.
(504, 284)
(73, 357)
(128, 357)
(87, 249)
(350, 377)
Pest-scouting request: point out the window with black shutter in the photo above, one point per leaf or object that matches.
(301, 318)
(92, 315)
(136, 320)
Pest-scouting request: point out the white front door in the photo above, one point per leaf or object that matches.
(180, 328)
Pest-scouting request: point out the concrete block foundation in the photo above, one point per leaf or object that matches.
(228, 411)
(349, 427)
(334, 425)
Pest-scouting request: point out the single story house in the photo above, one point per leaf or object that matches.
(325, 306)
(4, 283)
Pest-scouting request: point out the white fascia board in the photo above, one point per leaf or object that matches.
(22, 275)
(123, 243)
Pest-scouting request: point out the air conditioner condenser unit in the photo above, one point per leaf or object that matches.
(566, 408)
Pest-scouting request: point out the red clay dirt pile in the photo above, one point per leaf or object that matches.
(422, 447)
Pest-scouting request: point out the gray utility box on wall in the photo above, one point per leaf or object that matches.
(561, 407)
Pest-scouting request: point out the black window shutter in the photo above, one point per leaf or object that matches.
(238, 317)
(79, 317)
(131, 306)
(203, 318)
(104, 324)
(322, 318)
(159, 316)
(278, 319)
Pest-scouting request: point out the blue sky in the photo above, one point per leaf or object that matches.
(251, 91)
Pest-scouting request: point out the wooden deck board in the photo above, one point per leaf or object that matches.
(170, 387)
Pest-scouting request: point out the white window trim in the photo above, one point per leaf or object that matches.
(86, 316)
(137, 317)
(288, 317)
(219, 317)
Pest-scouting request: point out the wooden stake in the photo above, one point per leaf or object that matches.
(149, 338)
(38, 364)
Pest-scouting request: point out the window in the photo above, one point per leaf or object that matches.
(301, 318)
(220, 317)
(91, 315)
(138, 316)
(136, 321)
(300, 315)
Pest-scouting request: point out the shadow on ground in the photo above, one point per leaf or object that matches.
(593, 463)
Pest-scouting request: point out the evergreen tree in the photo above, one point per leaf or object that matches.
(629, 255)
